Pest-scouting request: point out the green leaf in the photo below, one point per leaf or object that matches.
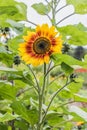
(5, 105)
(21, 124)
(66, 68)
(80, 98)
(7, 117)
(14, 43)
(20, 109)
(6, 56)
(6, 69)
(18, 27)
(7, 91)
(75, 87)
(41, 8)
(3, 126)
(73, 35)
(80, 6)
(11, 10)
(54, 118)
(81, 27)
(14, 74)
(79, 112)
(29, 115)
(69, 60)
(66, 94)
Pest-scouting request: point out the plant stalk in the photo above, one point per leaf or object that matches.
(54, 95)
(41, 100)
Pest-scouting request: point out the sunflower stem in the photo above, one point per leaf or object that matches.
(53, 14)
(50, 70)
(31, 22)
(61, 8)
(54, 95)
(65, 18)
(38, 87)
(41, 100)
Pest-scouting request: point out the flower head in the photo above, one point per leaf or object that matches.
(39, 45)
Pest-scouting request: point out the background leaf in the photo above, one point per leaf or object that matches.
(74, 34)
(13, 10)
(7, 117)
(66, 68)
(69, 60)
(28, 115)
(80, 5)
(41, 8)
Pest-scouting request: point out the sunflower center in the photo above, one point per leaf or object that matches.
(41, 45)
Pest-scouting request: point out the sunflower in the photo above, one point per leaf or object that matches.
(39, 45)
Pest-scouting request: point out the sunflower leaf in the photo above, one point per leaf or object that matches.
(7, 117)
(10, 9)
(66, 68)
(41, 8)
(74, 34)
(80, 5)
(69, 60)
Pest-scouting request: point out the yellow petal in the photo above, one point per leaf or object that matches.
(46, 58)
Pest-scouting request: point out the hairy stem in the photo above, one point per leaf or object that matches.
(48, 3)
(41, 100)
(34, 78)
(54, 95)
(56, 78)
(50, 70)
(31, 22)
(48, 17)
(61, 8)
(65, 18)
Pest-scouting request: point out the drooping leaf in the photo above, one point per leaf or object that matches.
(75, 87)
(14, 74)
(80, 6)
(21, 124)
(6, 69)
(79, 112)
(69, 60)
(7, 117)
(41, 8)
(18, 27)
(74, 35)
(4, 105)
(54, 118)
(66, 68)
(80, 98)
(20, 109)
(7, 91)
(29, 115)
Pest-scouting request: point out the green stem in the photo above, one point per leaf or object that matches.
(50, 70)
(56, 78)
(38, 87)
(54, 95)
(48, 17)
(31, 22)
(41, 100)
(61, 8)
(53, 14)
(48, 3)
(65, 18)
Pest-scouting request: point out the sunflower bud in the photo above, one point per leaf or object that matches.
(73, 76)
(65, 48)
(17, 60)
